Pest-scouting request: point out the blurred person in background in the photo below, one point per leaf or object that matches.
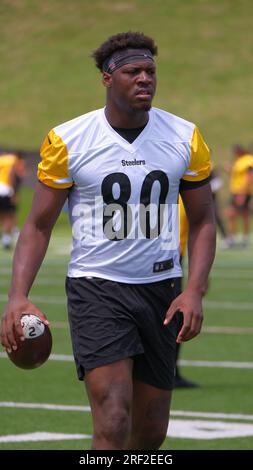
(241, 189)
(12, 171)
(216, 184)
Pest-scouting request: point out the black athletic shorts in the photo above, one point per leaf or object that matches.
(111, 321)
(244, 206)
(6, 204)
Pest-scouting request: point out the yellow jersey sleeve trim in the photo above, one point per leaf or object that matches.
(53, 170)
(200, 163)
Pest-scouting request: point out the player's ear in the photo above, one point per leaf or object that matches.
(107, 79)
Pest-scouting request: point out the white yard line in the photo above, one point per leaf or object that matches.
(52, 300)
(47, 281)
(178, 429)
(203, 414)
(182, 362)
(222, 364)
(233, 265)
(83, 408)
(208, 430)
(223, 273)
(243, 283)
(211, 304)
(41, 436)
(43, 406)
(228, 305)
(228, 330)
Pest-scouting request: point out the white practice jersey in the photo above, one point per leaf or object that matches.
(123, 197)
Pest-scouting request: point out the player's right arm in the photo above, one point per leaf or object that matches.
(29, 254)
(50, 194)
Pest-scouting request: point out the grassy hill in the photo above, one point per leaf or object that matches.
(205, 71)
(204, 64)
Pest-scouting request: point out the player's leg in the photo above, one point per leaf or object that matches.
(1, 217)
(219, 220)
(245, 226)
(7, 210)
(104, 338)
(153, 371)
(7, 224)
(246, 215)
(109, 390)
(232, 216)
(150, 416)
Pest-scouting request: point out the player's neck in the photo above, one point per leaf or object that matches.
(124, 119)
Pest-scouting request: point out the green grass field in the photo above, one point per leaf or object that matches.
(223, 403)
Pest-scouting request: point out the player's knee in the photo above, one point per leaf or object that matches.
(116, 428)
(156, 439)
(149, 437)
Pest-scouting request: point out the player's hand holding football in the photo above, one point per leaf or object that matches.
(190, 304)
(11, 329)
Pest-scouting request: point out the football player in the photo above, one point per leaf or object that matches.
(122, 167)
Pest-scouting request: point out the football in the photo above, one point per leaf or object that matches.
(36, 348)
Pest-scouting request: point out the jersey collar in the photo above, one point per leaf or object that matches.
(131, 148)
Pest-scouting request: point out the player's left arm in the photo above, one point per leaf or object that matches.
(201, 251)
(197, 198)
(202, 235)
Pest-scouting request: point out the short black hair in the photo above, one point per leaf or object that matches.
(238, 149)
(135, 40)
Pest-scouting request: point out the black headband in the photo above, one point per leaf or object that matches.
(125, 56)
